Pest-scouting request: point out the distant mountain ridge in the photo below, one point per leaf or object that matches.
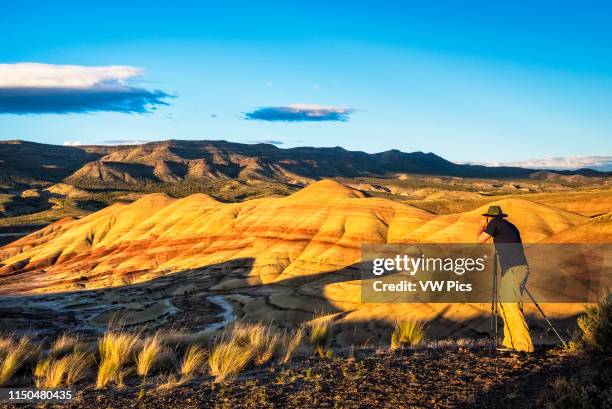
(177, 160)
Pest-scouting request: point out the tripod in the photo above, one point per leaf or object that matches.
(493, 331)
(524, 287)
(493, 334)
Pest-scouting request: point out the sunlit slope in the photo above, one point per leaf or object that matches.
(596, 230)
(318, 229)
(535, 221)
(586, 203)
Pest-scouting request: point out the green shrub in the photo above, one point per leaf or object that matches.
(589, 389)
(596, 328)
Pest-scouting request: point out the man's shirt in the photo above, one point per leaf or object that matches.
(508, 243)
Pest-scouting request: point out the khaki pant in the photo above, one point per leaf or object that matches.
(516, 332)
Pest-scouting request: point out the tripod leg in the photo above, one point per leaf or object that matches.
(544, 315)
(496, 309)
(492, 319)
(493, 330)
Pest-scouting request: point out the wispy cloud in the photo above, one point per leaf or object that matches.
(602, 163)
(74, 143)
(300, 113)
(270, 141)
(31, 88)
(110, 142)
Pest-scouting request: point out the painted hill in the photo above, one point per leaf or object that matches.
(274, 258)
(317, 229)
(589, 203)
(596, 230)
(535, 221)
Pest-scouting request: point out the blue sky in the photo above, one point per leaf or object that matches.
(470, 81)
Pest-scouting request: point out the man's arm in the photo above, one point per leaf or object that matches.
(481, 236)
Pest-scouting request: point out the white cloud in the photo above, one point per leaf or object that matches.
(314, 109)
(32, 88)
(73, 143)
(602, 163)
(300, 113)
(35, 75)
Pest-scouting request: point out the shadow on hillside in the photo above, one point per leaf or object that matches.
(187, 290)
(180, 300)
(18, 206)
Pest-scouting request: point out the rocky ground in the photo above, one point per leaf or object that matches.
(428, 378)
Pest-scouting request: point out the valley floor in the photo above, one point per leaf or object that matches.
(427, 378)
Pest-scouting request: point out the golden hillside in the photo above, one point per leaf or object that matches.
(320, 228)
(596, 230)
(535, 221)
(282, 258)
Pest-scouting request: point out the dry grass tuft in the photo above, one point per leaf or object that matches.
(79, 363)
(41, 369)
(6, 344)
(15, 355)
(64, 345)
(193, 361)
(291, 342)
(52, 372)
(407, 331)
(240, 345)
(267, 346)
(149, 355)
(227, 360)
(319, 333)
(115, 348)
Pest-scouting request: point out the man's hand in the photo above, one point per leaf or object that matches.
(483, 224)
(481, 236)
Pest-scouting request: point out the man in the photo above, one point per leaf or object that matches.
(514, 270)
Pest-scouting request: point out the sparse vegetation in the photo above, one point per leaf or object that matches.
(240, 345)
(228, 359)
(588, 389)
(64, 345)
(243, 345)
(596, 328)
(15, 355)
(407, 331)
(193, 361)
(115, 350)
(319, 333)
(590, 386)
(6, 344)
(66, 371)
(291, 342)
(79, 363)
(49, 372)
(148, 355)
(268, 344)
